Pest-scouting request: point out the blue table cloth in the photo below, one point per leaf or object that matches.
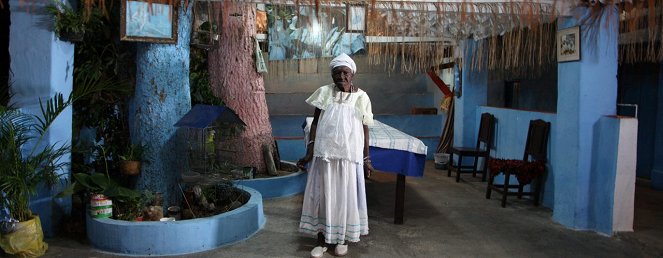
(391, 150)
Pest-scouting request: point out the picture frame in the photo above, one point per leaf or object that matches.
(568, 44)
(144, 23)
(356, 18)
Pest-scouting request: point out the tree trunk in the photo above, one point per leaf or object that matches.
(234, 79)
(161, 98)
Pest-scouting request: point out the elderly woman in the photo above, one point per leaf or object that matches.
(335, 199)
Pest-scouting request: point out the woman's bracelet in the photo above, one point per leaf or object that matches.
(367, 158)
(309, 142)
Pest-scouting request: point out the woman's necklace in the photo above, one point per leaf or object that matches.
(340, 99)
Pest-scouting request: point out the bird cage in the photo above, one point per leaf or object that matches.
(204, 28)
(206, 129)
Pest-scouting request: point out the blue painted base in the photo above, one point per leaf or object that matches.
(275, 187)
(178, 237)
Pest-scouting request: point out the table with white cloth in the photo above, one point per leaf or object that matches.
(392, 151)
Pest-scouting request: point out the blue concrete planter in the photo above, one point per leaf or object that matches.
(178, 237)
(275, 187)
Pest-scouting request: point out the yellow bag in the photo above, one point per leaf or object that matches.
(26, 241)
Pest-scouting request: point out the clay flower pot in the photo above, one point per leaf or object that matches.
(130, 167)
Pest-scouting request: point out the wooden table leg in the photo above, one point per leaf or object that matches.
(400, 199)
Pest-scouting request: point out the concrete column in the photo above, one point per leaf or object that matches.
(42, 65)
(613, 175)
(162, 97)
(657, 166)
(587, 90)
(474, 88)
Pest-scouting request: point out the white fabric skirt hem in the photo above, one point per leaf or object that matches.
(335, 201)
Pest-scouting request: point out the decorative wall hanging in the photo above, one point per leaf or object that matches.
(356, 18)
(309, 31)
(154, 21)
(568, 44)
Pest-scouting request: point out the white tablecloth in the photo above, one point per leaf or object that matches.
(384, 136)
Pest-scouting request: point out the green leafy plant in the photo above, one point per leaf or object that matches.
(23, 170)
(201, 91)
(127, 203)
(133, 152)
(69, 24)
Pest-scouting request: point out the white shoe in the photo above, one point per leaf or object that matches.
(341, 250)
(318, 251)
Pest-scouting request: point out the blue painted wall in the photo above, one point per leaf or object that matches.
(474, 90)
(587, 90)
(42, 65)
(510, 136)
(162, 97)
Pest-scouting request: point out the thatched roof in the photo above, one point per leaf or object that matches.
(411, 36)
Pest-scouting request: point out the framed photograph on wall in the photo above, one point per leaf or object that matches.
(568, 44)
(356, 18)
(154, 21)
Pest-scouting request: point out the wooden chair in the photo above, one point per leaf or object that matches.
(530, 168)
(482, 149)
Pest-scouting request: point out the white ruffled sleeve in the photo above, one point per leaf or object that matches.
(321, 97)
(364, 109)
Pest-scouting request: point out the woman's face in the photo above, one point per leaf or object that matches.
(342, 76)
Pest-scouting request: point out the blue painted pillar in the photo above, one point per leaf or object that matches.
(474, 86)
(657, 167)
(162, 97)
(42, 65)
(587, 90)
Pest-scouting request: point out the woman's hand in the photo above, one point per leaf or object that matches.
(368, 168)
(301, 163)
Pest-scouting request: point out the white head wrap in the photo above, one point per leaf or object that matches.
(343, 60)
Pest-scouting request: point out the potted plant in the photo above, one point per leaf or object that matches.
(69, 25)
(127, 203)
(130, 161)
(25, 167)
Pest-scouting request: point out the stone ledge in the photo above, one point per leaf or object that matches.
(178, 237)
(275, 187)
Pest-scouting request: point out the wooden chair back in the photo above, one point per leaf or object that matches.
(486, 132)
(536, 146)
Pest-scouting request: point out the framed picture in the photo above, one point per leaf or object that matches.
(154, 21)
(356, 18)
(568, 44)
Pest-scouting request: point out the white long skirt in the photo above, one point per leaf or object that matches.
(335, 201)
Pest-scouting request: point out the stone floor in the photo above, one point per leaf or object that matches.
(442, 219)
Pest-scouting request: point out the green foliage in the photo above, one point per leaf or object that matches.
(103, 82)
(127, 203)
(22, 171)
(70, 24)
(133, 152)
(201, 90)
